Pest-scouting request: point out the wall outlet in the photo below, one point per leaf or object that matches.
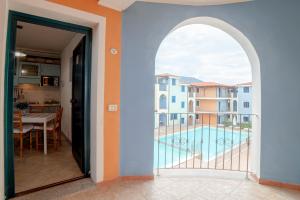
(112, 107)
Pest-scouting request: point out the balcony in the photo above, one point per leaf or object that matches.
(182, 186)
(163, 87)
(216, 140)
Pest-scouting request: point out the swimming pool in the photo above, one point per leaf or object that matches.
(188, 143)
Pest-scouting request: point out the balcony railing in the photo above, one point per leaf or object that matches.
(162, 87)
(203, 140)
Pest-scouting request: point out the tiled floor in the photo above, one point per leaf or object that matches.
(168, 187)
(36, 169)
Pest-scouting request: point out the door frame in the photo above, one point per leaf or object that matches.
(13, 18)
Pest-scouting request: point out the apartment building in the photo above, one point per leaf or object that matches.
(213, 98)
(172, 100)
(181, 100)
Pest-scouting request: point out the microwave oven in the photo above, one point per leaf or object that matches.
(50, 81)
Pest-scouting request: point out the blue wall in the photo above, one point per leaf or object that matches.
(273, 26)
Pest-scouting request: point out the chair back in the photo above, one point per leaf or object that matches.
(17, 120)
(61, 110)
(57, 120)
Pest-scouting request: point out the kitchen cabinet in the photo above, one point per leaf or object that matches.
(50, 70)
(30, 73)
(27, 73)
(25, 80)
(29, 70)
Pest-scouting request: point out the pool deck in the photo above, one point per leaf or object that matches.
(223, 162)
(167, 130)
(235, 160)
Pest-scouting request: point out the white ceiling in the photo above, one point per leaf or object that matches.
(42, 38)
(124, 4)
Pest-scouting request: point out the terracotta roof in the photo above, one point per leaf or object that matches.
(248, 83)
(166, 75)
(209, 84)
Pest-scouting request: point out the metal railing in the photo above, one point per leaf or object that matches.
(203, 140)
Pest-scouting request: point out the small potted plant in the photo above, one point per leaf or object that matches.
(22, 106)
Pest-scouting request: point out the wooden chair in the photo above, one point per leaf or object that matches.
(52, 129)
(60, 110)
(22, 130)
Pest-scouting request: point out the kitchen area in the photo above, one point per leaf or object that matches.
(42, 110)
(36, 83)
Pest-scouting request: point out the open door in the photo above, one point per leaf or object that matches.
(15, 168)
(78, 103)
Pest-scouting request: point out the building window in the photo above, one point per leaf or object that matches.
(246, 89)
(173, 81)
(197, 103)
(182, 88)
(174, 116)
(182, 104)
(246, 119)
(246, 104)
(198, 90)
(163, 102)
(162, 87)
(182, 120)
(162, 119)
(234, 106)
(197, 116)
(173, 99)
(190, 89)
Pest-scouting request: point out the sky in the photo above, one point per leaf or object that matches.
(203, 52)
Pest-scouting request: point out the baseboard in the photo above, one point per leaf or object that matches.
(126, 178)
(279, 184)
(141, 178)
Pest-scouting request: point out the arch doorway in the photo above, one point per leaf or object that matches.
(225, 121)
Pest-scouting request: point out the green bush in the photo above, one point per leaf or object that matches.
(246, 125)
(227, 122)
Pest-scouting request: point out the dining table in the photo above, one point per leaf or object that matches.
(39, 118)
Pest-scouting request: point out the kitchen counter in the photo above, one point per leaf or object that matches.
(44, 105)
(43, 108)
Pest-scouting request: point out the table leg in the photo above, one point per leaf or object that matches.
(45, 138)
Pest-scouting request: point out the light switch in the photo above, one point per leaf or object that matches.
(112, 107)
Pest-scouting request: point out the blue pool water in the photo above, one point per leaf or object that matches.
(215, 143)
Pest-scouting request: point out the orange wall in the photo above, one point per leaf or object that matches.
(207, 106)
(112, 81)
(207, 92)
(207, 119)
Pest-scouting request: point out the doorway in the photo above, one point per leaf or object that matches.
(81, 151)
(214, 110)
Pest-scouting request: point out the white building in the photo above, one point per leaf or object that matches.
(244, 102)
(171, 96)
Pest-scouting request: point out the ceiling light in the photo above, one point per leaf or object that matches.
(20, 54)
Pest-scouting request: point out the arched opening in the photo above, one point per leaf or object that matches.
(162, 119)
(227, 116)
(162, 102)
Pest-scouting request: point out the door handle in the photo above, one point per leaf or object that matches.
(73, 101)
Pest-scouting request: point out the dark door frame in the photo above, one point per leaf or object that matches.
(13, 18)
